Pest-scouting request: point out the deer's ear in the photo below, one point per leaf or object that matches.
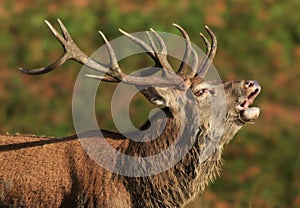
(154, 96)
(166, 97)
(158, 101)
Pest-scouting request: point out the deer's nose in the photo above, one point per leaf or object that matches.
(251, 84)
(252, 87)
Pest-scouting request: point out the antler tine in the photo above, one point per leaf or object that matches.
(115, 71)
(161, 56)
(208, 49)
(207, 43)
(141, 43)
(61, 39)
(158, 58)
(103, 78)
(152, 51)
(160, 41)
(110, 50)
(149, 50)
(211, 52)
(194, 64)
(63, 29)
(71, 51)
(152, 44)
(188, 50)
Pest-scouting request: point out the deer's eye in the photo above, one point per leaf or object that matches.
(200, 92)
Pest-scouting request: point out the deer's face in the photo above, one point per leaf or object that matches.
(239, 95)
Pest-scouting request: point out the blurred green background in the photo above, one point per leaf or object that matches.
(257, 40)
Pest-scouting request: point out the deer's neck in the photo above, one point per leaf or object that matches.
(191, 172)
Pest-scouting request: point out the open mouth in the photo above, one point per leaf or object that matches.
(249, 100)
(247, 113)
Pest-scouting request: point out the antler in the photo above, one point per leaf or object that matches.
(112, 71)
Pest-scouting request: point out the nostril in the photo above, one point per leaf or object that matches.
(249, 83)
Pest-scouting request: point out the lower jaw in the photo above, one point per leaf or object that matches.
(250, 114)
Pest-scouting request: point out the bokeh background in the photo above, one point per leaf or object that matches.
(257, 40)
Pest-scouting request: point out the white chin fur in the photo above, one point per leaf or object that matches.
(251, 113)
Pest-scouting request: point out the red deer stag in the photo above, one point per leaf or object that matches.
(57, 172)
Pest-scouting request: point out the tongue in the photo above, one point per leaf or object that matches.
(245, 104)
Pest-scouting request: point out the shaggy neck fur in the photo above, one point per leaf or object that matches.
(181, 183)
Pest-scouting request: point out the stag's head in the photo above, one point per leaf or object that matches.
(188, 95)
